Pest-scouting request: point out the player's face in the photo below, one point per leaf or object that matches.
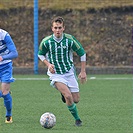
(58, 29)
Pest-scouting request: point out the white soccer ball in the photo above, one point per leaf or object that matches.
(48, 120)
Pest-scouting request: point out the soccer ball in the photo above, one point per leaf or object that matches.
(48, 120)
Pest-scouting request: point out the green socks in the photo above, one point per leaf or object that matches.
(74, 111)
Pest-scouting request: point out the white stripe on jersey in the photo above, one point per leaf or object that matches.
(3, 33)
(62, 57)
(71, 54)
(56, 48)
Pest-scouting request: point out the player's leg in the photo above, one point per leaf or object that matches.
(65, 92)
(63, 98)
(7, 101)
(6, 79)
(74, 89)
(69, 101)
(75, 96)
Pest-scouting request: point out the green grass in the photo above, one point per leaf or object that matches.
(105, 106)
(61, 4)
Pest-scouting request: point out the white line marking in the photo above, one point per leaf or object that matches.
(111, 78)
(32, 78)
(91, 78)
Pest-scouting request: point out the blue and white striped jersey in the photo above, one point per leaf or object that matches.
(8, 49)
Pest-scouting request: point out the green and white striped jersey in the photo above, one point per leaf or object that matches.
(60, 54)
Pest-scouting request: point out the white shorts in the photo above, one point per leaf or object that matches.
(68, 79)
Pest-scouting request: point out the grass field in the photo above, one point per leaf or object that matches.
(105, 105)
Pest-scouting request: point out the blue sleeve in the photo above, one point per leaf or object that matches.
(11, 47)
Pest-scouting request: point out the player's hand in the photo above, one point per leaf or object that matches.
(51, 68)
(82, 77)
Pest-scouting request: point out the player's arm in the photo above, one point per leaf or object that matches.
(11, 47)
(82, 75)
(42, 51)
(42, 56)
(47, 63)
(77, 47)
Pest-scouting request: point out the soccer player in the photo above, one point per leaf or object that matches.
(7, 53)
(56, 51)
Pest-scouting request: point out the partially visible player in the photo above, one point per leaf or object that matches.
(56, 51)
(8, 52)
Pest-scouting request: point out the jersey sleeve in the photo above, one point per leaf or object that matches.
(9, 43)
(77, 47)
(42, 48)
(11, 47)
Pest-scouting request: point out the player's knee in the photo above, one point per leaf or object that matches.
(76, 100)
(68, 97)
(5, 92)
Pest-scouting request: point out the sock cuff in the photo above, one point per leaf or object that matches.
(72, 106)
(6, 96)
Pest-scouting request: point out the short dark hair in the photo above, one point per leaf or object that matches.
(58, 19)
